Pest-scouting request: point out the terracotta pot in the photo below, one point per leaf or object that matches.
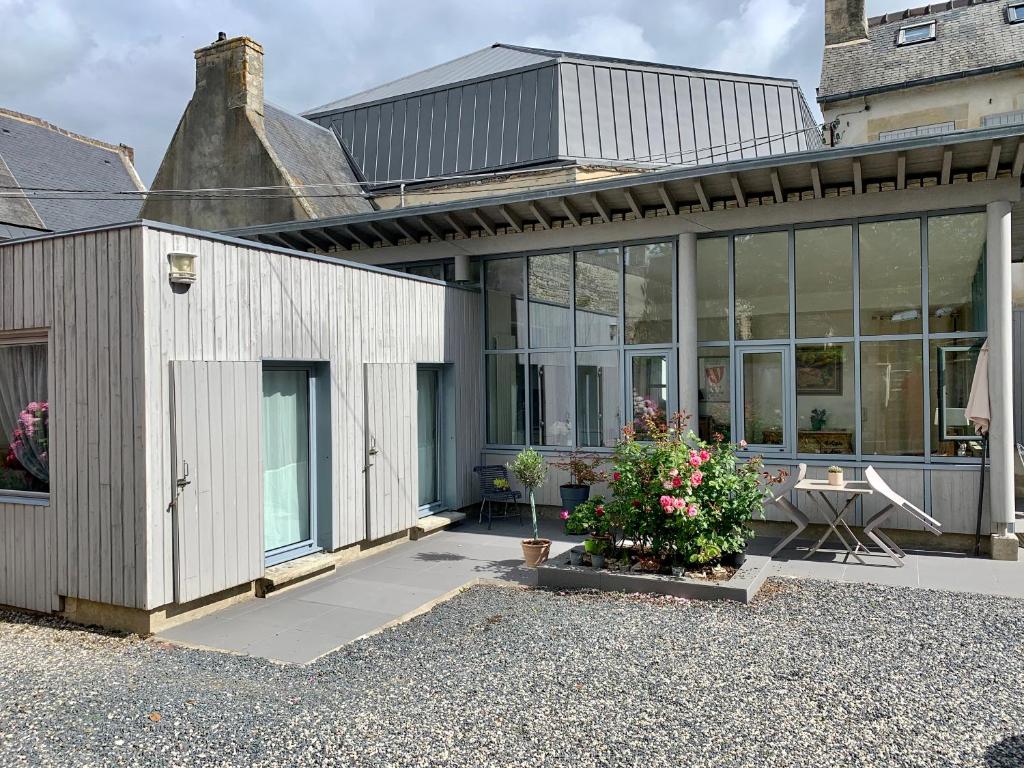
(535, 551)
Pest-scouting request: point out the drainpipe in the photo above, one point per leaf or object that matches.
(401, 195)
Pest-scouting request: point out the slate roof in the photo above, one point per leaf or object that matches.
(971, 36)
(37, 154)
(312, 154)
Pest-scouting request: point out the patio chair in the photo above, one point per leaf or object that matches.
(495, 489)
(780, 499)
(872, 527)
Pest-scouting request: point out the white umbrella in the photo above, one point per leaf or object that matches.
(979, 411)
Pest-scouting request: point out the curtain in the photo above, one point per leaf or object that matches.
(285, 457)
(24, 413)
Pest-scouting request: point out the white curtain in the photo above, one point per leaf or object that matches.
(24, 412)
(285, 457)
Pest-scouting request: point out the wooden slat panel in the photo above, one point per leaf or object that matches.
(1018, 378)
(955, 501)
(393, 475)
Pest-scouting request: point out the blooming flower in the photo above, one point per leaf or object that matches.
(599, 510)
(677, 481)
(678, 502)
(564, 514)
(694, 460)
(692, 510)
(673, 472)
(704, 454)
(667, 485)
(743, 443)
(696, 478)
(616, 476)
(666, 502)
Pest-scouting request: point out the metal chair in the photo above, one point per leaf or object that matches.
(872, 527)
(781, 500)
(495, 488)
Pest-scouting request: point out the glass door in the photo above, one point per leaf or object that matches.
(288, 506)
(764, 412)
(428, 416)
(650, 389)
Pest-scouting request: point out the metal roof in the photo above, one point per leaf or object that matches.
(739, 183)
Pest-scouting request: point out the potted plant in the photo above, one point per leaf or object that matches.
(835, 475)
(583, 473)
(530, 470)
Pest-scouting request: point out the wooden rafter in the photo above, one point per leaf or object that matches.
(634, 206)
(484, 223)
(670, 205)
(993, 160)
(780, 195)
(816, 181)
(379, 232)
(858, 177)
(406, 232)
(511, 217)
(901, 171)
(428, 225)
(1018, 160)
(947, 166)
(538, 213)
(701, 195)
(737, 190)
(570, 211)
(352, 233)
(461, 228)
(602, 209)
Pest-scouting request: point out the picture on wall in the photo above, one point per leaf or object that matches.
(819, 370)
(714, 379)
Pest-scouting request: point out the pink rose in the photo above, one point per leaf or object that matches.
(673, 472)
(704, 454)
(676, 482)
(679, 503)
(616, 476)
(696, 478)
(667, 485)
(692, 510)
(694, 461)
(564, 514)
(598, 510)
(666, 502)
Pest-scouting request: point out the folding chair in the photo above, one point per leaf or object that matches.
(781, 501)
(495, 489)
(872, 527)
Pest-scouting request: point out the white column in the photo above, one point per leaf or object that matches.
(686, 287)
(461, 267)
(1000, 367)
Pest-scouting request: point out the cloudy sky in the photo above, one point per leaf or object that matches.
(123, 71)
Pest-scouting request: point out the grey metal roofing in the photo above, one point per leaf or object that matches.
(39, 156)
(312, 155)
(971, 36)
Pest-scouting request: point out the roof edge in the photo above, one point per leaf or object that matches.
(828, 99)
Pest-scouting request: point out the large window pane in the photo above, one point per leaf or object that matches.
(825, 384)
(551, 398)
(598, 398)
(762, 286)
(713, 289)
(649, 293)
(24, 419)
(506, 400)
(763, 398)
(598, 287)
(506, 323)
(956, 273)
(714, 393)
(952, 362)
(824, 282)
(550, 276)
(892, 393)
(890, 277)
(649, 377)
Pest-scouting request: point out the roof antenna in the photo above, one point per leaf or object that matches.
(221, 37)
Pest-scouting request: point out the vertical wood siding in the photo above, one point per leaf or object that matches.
(392, 474)
(1018, 377)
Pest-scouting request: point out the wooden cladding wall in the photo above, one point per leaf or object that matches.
(1018, 378)
(251, 303)
(89, 542)
(392, 466)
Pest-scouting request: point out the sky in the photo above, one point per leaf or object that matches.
(123, 70)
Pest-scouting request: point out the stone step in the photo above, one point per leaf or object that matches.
(279, 576)
(433, 523)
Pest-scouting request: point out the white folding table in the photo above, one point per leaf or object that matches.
(832, 513)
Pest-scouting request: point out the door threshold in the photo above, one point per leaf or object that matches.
(290, 572)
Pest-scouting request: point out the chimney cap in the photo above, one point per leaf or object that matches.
(222, 36)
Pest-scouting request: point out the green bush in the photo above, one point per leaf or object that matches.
(530, 470)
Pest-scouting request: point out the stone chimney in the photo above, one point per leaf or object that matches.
(845, 22)
(231, 72)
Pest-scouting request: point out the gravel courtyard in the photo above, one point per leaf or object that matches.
(813, 674)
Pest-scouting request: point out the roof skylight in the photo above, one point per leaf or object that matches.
(1015, 13)
(918, 33)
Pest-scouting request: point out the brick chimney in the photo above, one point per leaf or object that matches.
(845, 22)
(231, 72)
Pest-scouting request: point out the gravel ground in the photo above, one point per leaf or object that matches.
(813, 674)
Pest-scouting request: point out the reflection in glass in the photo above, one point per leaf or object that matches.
(824, 282)
(890, 277)
(428, 439)
(956, 273)
(825, 398)
(286, 505)
(551, 398)
(713, 289)
(506, 399)
(436, 271)
(649, 293)
(598, 287)
(25, 457)
(598, 398)
(952, 362)
(504, 297)
(550, 283)
(763, 398)
(649, 377)
(762, 286)
(714, 394)
(892, 391)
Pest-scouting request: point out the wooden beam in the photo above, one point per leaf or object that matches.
(780, 196)
(634, 206)
(947, 165)
(405, 230)
(459, 227)
(737, 190)
(993, 160)
(816, 180)
(352, 233)
(901, 171)
(1018, 160)
(271, 239)
(570, 211)
(428, 225)
(602, 209)
(332, 239)
(702, 195)
(538, 213)
(858, 177)
(379, 232)
(510, 216)
(670, 205)
(487, 226)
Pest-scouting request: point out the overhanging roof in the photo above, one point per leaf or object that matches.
(967, 155)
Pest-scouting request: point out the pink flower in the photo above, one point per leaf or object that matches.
(616, 476)
(666, 502)
(694, 460)
(692, 510)
(696, 478)
(679, 502)
(598, 510)
(704, 454)
(673, 472)
(564, 514)
(743, 443)
(676, 482)
(667, 485)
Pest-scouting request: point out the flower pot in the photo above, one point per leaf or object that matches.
(597, 561)
(535, 551)
(573, 495)
(835, 478)
(575, 556)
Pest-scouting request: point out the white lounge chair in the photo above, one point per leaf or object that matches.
(896, 502)
(780, 499)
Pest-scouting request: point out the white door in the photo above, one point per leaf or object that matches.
(392, 463)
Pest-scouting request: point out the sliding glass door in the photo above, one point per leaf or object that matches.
(428, 415)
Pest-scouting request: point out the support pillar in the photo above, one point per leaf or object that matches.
(1000, 375)
(686, 292)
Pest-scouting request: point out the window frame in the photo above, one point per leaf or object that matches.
(23, 338)
(1015, 13)
(901, 36)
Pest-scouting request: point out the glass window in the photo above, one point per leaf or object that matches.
(824, 282)
(825, 396)
(649, 293)
(762, 286)
(918, 33)
(24, 419)
(550, 276)
(892, 398)
(764, 396)
(598, 288)
(649, 377)
(890, 277)
(551, 398)
(713, 289)
(952, 364)
(506, 399)
(506, 323)
(598, 398)
(435, 271)
(714, 393)
(956, 273)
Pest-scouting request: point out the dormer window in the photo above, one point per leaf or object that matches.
(918, 33)
(1015, 13)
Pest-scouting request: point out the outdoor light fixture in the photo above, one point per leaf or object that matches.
(183, 268)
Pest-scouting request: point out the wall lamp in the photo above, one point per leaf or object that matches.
(183, 268)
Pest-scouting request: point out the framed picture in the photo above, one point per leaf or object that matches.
(819, 370)
(714, 379)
